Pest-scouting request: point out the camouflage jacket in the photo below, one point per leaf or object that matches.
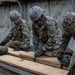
(20, 34)
(72, 62)
(45, 36)
(68, 25)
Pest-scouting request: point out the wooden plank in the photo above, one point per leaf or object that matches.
(43, 59)
(50, 61)
(14, 53)
(17, 53)
(31, 66)
(26, 55)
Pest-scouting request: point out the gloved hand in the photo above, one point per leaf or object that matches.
(16, 48)
(66, 60)
(39, 53)
(3, 50)
(2, 43)
(60, 54)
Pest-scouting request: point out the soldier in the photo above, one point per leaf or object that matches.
(45, 32)
(19, 34)
(72, 65)
(68, 24)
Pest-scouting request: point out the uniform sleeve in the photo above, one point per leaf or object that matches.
(25, 36)
(8, 37)
(35, 38)
(72, 62)
(51, 37)
(65, 36)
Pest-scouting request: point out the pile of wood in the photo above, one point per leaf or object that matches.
(24, 60)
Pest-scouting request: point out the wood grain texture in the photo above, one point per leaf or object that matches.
(31, 66)
(50, 61)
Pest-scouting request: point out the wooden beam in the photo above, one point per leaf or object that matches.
(13, 53)
(50, 61)
(31, 66)
(16, 70)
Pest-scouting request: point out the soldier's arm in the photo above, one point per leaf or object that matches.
(51, 40)
(35, 38)
(25, 37)
(65, 36)
(7, 39)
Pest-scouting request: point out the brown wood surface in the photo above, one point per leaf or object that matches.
(51, 61)
(14, 53)
(31, 66)
(29, 55)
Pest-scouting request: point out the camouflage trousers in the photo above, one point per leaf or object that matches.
(13, 44)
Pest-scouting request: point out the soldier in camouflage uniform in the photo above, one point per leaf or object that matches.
(68, 31)
(72, 65)
(19, 35)
(45, 32)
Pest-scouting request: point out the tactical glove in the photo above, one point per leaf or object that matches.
(39, 53)
(60, 54)
(16, 48)
(66, 60)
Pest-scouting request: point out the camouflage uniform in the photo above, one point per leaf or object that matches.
(3, 50)
(72, 65)
(45, 32)
(45, 37)
(19, 35)
(68, 31)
